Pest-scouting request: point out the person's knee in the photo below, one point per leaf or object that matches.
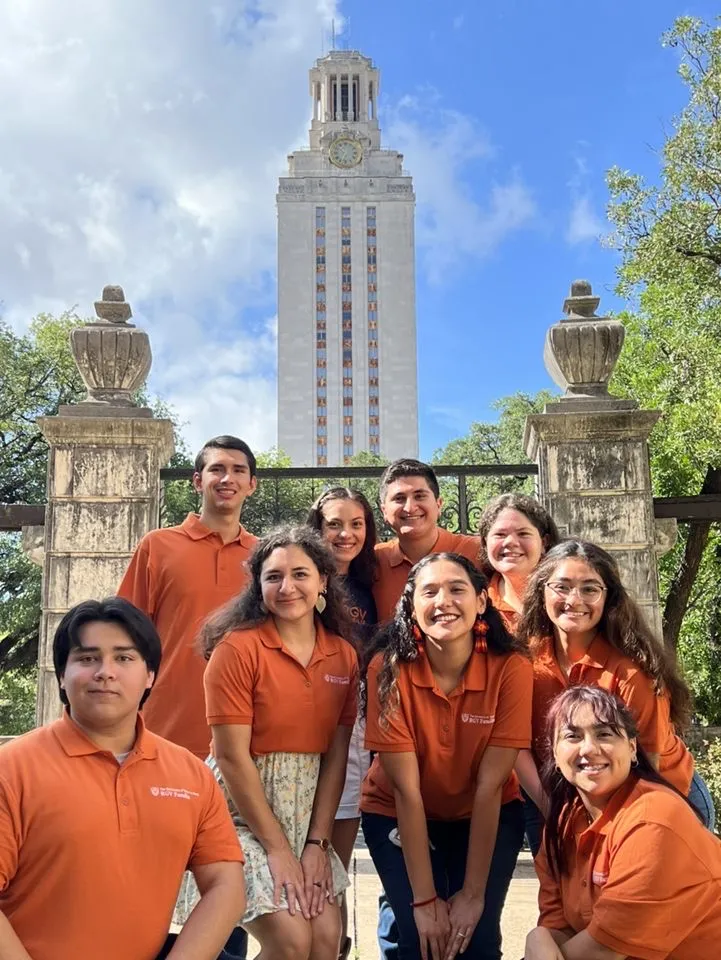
(293, 942)
(326, 930)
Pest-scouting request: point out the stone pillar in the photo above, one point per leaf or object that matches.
(103, 476)
(592, 448)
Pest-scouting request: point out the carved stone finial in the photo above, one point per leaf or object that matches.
(112, 355)
(582, 349)
(580, 303)
(113, 308)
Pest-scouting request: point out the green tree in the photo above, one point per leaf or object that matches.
(668, 235)
(493, 443)
(37, 375)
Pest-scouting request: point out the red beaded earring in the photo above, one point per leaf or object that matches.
(480, 629)
(418, 637)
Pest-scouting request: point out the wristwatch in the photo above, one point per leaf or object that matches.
(324, 843)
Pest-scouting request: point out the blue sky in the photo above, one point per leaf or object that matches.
(560, 91)
(142, 144)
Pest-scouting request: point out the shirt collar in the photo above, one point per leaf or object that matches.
(597, 654)
(444, 542)
(196, 530)
(494, 593)
(587, 833)
(76, 743)
(473, 677)
(324, 645)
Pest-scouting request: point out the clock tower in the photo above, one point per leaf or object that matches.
(347, 378)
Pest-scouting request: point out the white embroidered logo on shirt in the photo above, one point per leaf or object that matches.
(177, 793)
(477, 718)
(329, 678)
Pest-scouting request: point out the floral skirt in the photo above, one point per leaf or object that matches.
(289, 782)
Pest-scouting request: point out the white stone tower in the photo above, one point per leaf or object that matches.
(347, 377)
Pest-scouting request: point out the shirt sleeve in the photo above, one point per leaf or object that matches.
(136, 586)
(638, 693)
(349, 714)
(393, 735)
(10, 834)
(512, 726)
(550, 901)
(216, 839)
(229, 682)
(656, 894)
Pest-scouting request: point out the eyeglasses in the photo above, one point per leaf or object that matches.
(590, 592)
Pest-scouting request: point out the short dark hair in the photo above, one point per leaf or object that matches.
(408, 467)
(226, 442)
(138, 626)
(363, 567)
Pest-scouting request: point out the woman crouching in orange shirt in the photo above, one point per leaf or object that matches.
(582, 626)
(281, 700)
(448, 707)
(626, 869)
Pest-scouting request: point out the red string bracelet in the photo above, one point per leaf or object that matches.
(424, 903)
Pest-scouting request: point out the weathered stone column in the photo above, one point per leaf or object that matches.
(592, 448)
(103, 476)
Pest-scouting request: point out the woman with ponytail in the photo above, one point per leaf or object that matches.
(448, 707)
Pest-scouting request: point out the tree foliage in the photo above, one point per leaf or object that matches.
(493, 443)
(37, 375)
(668, 235)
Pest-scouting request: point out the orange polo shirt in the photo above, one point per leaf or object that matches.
(253, 679)
(394, 567)
(91, 852)
(509, 616)
(449, 734)
(179, 576)
(644, 879)
(604, 666)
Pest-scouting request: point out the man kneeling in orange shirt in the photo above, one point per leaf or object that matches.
(99, 817)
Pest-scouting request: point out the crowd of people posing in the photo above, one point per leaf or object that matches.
(447, 694)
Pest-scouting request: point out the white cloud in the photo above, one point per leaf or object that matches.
(141, 145)
(584, 225)
(454, 224)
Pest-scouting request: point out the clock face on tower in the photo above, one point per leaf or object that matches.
(345, 152)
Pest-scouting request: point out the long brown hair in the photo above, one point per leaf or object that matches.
(398, 644)
(562, 796)
(530, 508)
(248, 610)
(622, 623)
(362, 567)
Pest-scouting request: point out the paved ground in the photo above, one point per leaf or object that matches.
(518, 917)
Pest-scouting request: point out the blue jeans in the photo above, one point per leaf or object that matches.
(449, 852)
(700, 798)
(236, 947)
(534, 824)
(387, 930)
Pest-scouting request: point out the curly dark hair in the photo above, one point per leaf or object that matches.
(530, 508)
(362, 567)
(247, 610)
(609, 710)
(622, 623)
(395, 638)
